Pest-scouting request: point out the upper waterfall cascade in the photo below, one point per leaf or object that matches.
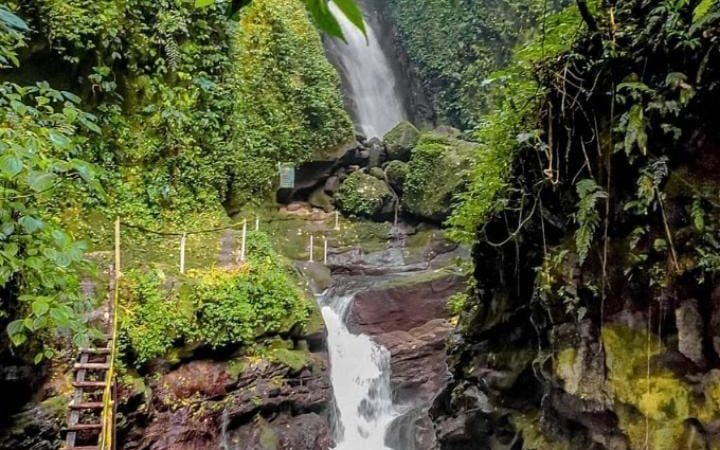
(371, 85)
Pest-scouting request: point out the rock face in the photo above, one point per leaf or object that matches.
(403, 305)
(203, 403)
(419, 369)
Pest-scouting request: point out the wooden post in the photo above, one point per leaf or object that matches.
(337, 220)
(244, 238)
(312, 248)
(325, 250)
(117, 249)
(183, 240)
(257, 223)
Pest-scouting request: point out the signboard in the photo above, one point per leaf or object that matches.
(287, 175)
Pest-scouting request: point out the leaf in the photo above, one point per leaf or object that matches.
(40, 181)
(30, 224)
(38, 358)
(324, 18)
(11, 20)
(40, 306)
(702, 9)
(204, 3)
(59, 139)
(72, 97)
(11, 165)
(635, 132)
(16, 331)
(352, 12)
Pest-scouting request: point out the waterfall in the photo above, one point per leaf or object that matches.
(360, 378)
(372, 89)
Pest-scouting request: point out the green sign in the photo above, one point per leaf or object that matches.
(287, 175)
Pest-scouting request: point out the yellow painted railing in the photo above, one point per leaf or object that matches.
(107, 435)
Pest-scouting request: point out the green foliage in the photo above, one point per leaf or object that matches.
(211, 307)
(437, 171)
(508, 126)
(362, 195)
(39, 145)
(12, 30)
(321, 13)
(587, 216)
(457, 45)
(288, 106)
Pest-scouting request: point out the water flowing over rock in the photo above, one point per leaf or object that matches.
(372, 88)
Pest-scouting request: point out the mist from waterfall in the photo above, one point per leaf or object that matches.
(371, 86)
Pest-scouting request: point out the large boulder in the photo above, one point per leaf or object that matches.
(438, 170)
(400, 141)
(363, 195)
(396, 172)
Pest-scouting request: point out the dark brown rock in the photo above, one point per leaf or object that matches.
(419, 369)
(284, 432)
(404, 305)
(690, 331)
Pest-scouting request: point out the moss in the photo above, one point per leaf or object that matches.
(437, 172)
(268, 439)
(237, 367)
(661, 400)
(396, 172)
(415, 279)
(400, 141)
(363, 195)
(295, 360)
(533, 437)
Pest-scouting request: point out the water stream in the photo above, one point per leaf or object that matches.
(371, 86)
(360, 378)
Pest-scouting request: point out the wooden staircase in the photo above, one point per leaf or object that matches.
(85, 421)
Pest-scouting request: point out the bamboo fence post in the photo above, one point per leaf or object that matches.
(312, 248)
(244, 239)
(183, 241)
(325, 250)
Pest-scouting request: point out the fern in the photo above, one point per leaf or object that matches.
(702, 9)
(587, 216)
(172, 52)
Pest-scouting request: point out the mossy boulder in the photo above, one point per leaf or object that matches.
(438, 170)
(363, 195)
(396, 172)
(321, 200)
(400, 141)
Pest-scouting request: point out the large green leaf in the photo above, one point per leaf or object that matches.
(40, 181)
(10, 20)
(10, 165)
(702, 9)
(319, 10)
(352, 12)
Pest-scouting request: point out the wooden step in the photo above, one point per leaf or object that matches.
(87, 405)
(90, 384)
(96, 351)
(92, 366)
(84, 427)
(93, 447)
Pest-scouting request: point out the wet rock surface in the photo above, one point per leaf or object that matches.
(236, 405)
(404, 304)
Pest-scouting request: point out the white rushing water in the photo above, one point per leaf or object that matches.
(361, 382)
(372, 85)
